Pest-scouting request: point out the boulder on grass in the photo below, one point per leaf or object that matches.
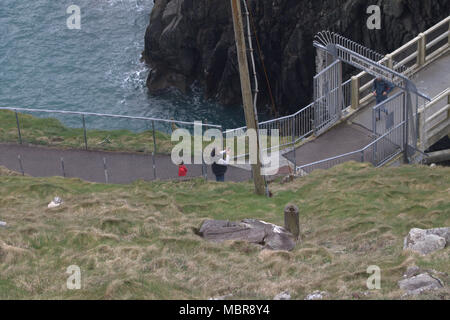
(426, 241)
(420, 283)
(268, 235)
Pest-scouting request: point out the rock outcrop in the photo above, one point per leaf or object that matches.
(420, 283)
(426, 241)
(191, 41)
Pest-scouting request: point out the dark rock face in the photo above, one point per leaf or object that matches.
(193, 40)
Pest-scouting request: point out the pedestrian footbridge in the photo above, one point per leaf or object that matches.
(345, 125)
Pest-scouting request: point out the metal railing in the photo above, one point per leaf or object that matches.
(378, 152)
(142, 135)
(434, 120)
(347, 94)
(290, 130)
(408, 60)
(388, 113)
(327, 97)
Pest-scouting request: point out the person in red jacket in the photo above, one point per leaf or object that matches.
(182, 170)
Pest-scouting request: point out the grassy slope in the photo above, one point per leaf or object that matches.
(137, 241)
(50, 131)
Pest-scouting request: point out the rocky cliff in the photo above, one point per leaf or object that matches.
(191, 41)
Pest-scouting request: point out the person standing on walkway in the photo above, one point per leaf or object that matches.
(182, 170)
(381, 90)
(219, 166)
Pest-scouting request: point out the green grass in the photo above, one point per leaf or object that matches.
(51, 132)
(137, 241)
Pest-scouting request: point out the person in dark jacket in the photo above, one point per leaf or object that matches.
(220, 166)
(381, 89)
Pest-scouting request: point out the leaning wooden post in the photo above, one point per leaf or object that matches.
(247, 98)
(292, 220)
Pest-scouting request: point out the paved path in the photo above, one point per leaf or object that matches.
(341, 139)
(88, 165)
(128, 167)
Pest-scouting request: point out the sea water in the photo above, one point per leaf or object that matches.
(46, 65)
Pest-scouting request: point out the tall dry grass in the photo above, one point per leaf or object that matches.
(138, 242)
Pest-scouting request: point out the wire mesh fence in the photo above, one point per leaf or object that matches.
(140, 146)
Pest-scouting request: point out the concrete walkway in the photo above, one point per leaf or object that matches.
(88, 165)
(341, 139)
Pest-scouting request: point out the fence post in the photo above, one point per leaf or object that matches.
(106, 170)
(84, 132)
(422, 135)
(390, 61)
(355, 93)
(449, 32)
(374, 124)
(154, 149)
(421, 50)
(362, 156)
(21, 165)
(63, 168)
(293, 142)
(292, 220)
(204, 168)
(406, 99)
(448, 102)
(18, 127)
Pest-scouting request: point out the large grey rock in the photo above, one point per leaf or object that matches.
(420, 283)
(426, 241)
(441, 232)
(283, 296)
(268, 235)
(411, 271)
(316, 295)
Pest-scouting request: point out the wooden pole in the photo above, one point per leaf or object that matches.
(250, 116)
(292, 220)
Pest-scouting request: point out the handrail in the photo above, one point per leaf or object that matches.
(420, 54)
(353, 152)
(382, 137)
(109, 116)
(433, 127)
(330, 159)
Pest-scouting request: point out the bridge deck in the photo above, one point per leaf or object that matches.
(431, 80)
(346, 137)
